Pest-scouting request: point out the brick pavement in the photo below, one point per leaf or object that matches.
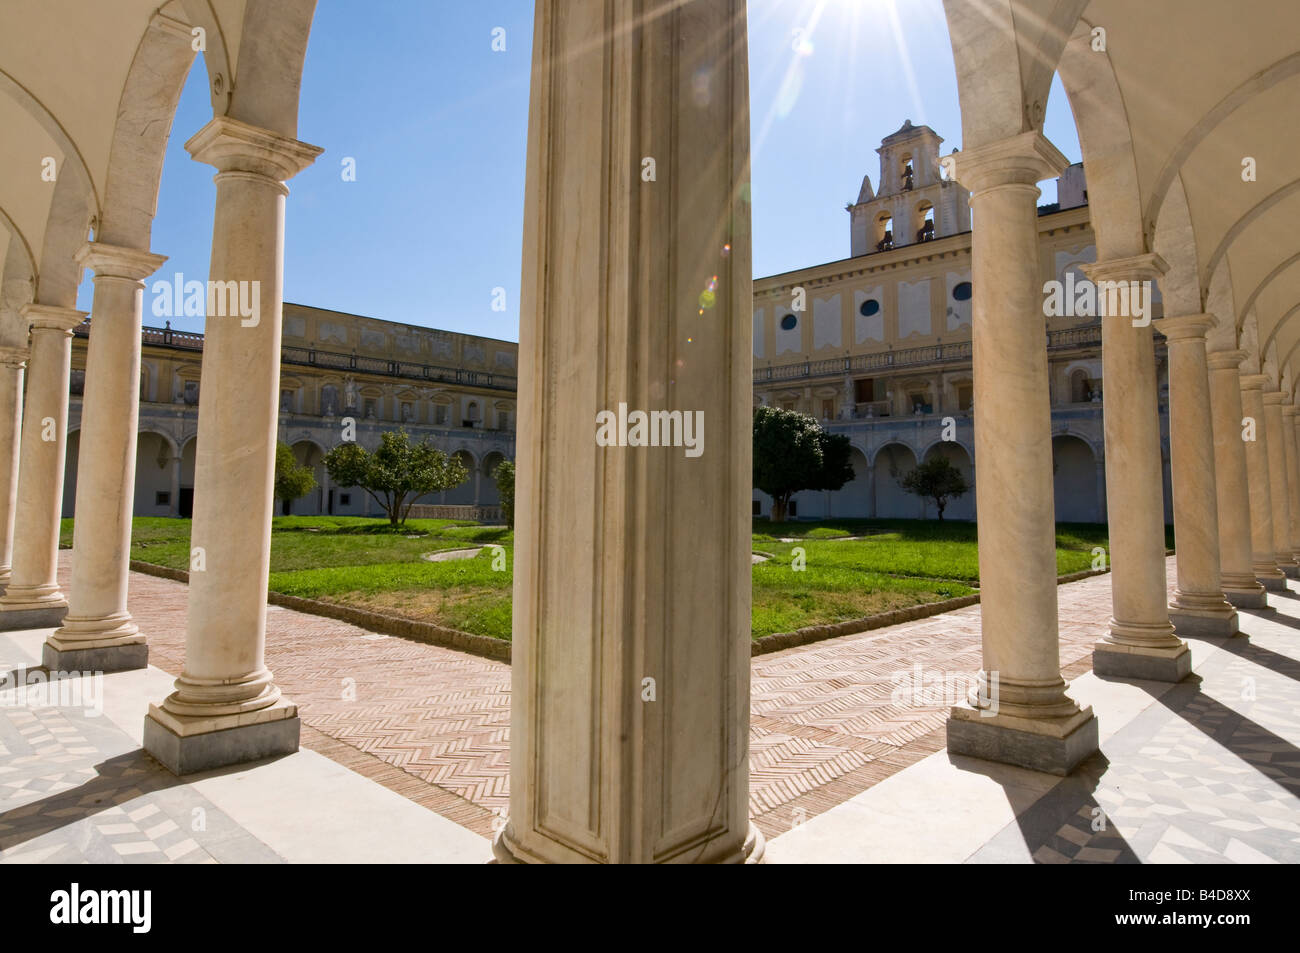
(433, 724)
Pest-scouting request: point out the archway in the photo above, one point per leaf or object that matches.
(154, 472)
(1076, 479)
(961, 507)
(892, 461)
(855, 498)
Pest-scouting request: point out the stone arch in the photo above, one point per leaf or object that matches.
(1004, 64)
(488, 494)
(70, 453)
(890, 462)
(1114, 197)
(155, 452)
(1075, 479)
(856, 498)
(309, 452)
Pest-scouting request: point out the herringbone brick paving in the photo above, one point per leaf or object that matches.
(433, 724)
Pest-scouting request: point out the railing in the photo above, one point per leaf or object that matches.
(311, 357)
(959, 351)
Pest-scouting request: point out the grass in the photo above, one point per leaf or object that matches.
(369, 564)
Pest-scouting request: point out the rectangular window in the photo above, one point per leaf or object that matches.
(369, 408)
(828, 409)
(965, 395)
(162, 498)
(787, 405)
(864, 390)
(792, 509)
(191, 392)
(345, 499)
(503, 420)
(440, 414)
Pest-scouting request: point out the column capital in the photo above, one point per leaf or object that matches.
(1025, 159)
(13, 356)
(234, 146)
(47, 317)
(1220, 360)
(1185, 327)
(1272, 397)
(1253, 381)
(1289, 409)
(117, 261)
(1147, 267)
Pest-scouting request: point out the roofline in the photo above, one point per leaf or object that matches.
(401, 324)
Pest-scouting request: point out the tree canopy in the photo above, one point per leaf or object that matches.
(792, 453)
(936, 479)
(397, 473)
(505, 480)
(292, 481)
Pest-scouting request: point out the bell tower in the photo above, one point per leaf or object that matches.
(915, 203)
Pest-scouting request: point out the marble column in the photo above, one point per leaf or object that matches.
(32, 599)
(1236, 569)
(1198, 606)
(1140, 640)
(12, 362)
(98, 633)
(1279, 482)
(226, 709)
(630, 673)
(1021, 713)
(1254, 433)
(1293, 476)
(174, 497)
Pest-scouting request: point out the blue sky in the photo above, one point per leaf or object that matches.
(437, 123)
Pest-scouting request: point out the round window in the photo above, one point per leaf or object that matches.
(869, 307)
(962, 291)
(788, 322)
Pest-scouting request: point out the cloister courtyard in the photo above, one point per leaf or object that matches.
(595, 508)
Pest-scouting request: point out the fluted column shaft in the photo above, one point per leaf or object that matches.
(225, 682)
(1236, 567)
(1279, 482)
(33, 599)
(13, 361)
(1254, 431)
(1140, 640)
(98, 624)
(1198, 606)
(1014, 482)
(630, 678)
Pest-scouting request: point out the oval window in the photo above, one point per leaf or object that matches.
(869, 307)
(788, 322)
(961, 291)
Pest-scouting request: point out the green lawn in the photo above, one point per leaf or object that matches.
(366, 563)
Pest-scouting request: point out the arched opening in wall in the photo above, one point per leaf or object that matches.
(892, 462)
(70, 473)
(472, 415)
(854, 499)
(1076, 480)
(308, 453)
(906, 173)
(157, 475)
(185, 502)
(925, 215)
(464, 493)
(884, 232)
(957, 507)
(1080, 386)
(488, 494)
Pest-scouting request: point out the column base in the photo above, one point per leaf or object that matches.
(1204, 619)
(112, 656)
(44, 614)
(1289, 568)
(1110, 659)
(1244, 597)
(505, 850)
(1273, 583)
(1051, 745)
(186, 744)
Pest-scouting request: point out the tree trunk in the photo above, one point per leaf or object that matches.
(940, 504)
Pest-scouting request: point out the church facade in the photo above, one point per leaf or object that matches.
(877, 346)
